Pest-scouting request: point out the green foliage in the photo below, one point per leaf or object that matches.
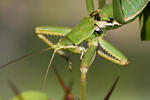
(31, 95)
(145, 23)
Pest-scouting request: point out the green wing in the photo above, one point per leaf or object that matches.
(81, 32)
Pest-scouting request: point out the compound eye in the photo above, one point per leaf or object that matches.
(97, 17)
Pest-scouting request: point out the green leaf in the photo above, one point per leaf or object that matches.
(31, 95)
(145, 23)
(117, 10)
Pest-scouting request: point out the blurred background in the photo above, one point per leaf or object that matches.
(18, 19)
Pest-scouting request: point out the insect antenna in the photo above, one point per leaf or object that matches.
(30, 54)
(112, 89)
(46, 73)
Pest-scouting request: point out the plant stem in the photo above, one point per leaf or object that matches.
(101, 4)
(83, 86)
(89, 6)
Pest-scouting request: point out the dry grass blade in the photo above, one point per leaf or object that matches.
(15, 90)
(111, 90)
(68, 94)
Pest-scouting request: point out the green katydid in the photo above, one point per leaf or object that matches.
(85, 31)
(92, 30)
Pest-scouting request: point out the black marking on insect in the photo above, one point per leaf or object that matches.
(99, 32)
(96, 15)
(111, 20)
(105, 52)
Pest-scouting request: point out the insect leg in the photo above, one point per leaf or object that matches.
(54, 31)
(109, 52)
(86, 62)
(88, 58)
